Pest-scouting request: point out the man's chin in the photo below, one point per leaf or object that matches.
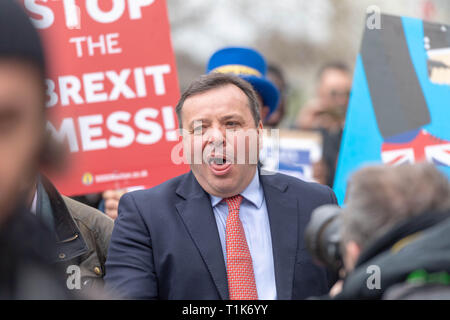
(220, 170)
(220, 186)
(225, 183)
(223, 191)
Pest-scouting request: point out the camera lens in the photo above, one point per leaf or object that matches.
(322, 236)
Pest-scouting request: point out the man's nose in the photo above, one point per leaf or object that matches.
(216, 136)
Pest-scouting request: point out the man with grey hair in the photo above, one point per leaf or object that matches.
(395, 226)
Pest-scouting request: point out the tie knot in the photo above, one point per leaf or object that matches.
(234, 202)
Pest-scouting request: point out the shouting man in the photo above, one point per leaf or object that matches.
(226, 229)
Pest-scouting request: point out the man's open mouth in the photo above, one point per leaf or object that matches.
(219, 165)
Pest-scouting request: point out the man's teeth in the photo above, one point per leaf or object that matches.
(217, 161)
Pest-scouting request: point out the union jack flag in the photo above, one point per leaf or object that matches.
(424, 147)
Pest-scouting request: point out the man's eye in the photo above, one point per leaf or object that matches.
(198, 130)
(232, 123)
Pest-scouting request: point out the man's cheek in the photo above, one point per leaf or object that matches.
(193, 147)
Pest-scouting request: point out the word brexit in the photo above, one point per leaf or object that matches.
(90, 87)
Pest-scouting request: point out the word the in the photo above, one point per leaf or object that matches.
(106, 44)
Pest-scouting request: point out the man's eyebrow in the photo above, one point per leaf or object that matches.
(231, 116)
(191, 124)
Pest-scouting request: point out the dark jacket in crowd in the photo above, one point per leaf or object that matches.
(25, 269)
(413, 260)
(82, 233)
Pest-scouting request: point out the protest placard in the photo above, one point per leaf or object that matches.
(399, 110)
(291, 152)
(111, 91)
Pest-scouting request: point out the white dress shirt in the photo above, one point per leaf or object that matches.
(255, 221)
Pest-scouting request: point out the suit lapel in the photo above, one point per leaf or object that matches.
(196, 211)
(283, 218)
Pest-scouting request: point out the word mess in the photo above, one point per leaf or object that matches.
(119, 129)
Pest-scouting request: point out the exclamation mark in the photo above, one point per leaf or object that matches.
(169, 123)
(72, 13)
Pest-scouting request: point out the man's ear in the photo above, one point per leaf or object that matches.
(260, 126)
(260, 135)
(184, 146)
(351, 255)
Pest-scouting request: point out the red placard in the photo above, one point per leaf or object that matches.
(112, 89)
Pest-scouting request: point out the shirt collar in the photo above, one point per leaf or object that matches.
(253, 193)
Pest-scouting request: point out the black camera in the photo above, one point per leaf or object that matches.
(322, 236)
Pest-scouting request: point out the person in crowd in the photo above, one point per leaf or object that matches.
(313, 116)
(25, 243)
(226, 229)
(395, 226)
(326, 113)
(250, 65)
(246, 63)
(110, 203)
(80, 233)
(276, 75)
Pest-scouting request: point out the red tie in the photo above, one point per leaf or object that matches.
(241, 279)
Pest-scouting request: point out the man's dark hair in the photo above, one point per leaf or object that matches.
(333, 65)
(216, 80)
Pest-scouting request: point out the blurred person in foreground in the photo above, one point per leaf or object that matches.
(396, 220)
(225, 230)
(79, 235)
(25, 244)
(326, 114)
(247, 64)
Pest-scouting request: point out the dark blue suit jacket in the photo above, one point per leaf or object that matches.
(165, 243)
